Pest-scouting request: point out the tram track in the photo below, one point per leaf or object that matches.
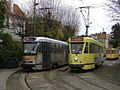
(58, 79)
(58, 84)
(18, 81)
(27, 86)
(90, 82)
(109, 80)
(27, 81)
(103, 77)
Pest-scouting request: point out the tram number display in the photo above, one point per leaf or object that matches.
(77, 39)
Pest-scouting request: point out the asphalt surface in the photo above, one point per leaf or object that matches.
(4, 75)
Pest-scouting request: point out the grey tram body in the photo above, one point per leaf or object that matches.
(48, 53)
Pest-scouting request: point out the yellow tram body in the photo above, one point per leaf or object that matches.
(112, 53)
(85, 53)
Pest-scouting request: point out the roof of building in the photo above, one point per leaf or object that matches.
(100, 35)
(16, 10)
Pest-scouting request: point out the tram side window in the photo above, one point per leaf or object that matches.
(113, 51)
(57, 48)
(94, 47)
(60, 48)
(52, 47)
(101, 50)
(86, 48)
(40, 47)
(96, 51)
(91, 46)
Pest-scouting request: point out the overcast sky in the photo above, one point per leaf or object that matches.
(98, 15)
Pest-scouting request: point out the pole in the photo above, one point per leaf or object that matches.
(87, 23)
(34, 18)
(86, 33)
(86, 19)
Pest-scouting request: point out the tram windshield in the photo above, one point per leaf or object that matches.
(76, 48)
(30, 48)
(110, 51)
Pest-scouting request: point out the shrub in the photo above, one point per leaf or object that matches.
(9, 48)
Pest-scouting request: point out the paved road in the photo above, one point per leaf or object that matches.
(110, 70)
(4, 74)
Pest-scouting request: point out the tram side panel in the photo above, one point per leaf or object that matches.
(58, 55)
(46, 55)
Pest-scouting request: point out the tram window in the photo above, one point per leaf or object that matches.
(76, 48)
(60, 48)
(94, 47)
(40, 47)
(113, 51)
(100, 49)
(97, 47)
(56, 48)
(109, 51)
(91, 46)
(86, 48)
(30, 48)
(53, 47)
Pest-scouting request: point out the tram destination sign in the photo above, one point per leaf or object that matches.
(77, 39)
(29, 39)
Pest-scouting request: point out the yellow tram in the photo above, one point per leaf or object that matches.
(112, 53)
(85, 53)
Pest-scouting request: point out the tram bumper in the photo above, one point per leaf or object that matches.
(76, 65)
(28, 66)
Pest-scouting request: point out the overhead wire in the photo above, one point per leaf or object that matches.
(95, 6)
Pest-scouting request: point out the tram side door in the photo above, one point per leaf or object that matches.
(46, 55)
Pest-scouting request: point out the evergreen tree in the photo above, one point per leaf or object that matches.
(2, 14)
(115, 35)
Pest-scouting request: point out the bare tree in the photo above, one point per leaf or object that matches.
(114, 9)
(71, 19)
(51, 12)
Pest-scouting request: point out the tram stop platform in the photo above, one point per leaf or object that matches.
(4, 74)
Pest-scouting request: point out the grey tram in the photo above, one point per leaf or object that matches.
(43, 53)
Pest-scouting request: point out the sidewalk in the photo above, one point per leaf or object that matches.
(4, 74)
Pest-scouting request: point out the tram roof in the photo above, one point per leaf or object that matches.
(84, 39)
(93, 40)
(44, 39)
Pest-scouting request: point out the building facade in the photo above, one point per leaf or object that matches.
(102, 37)
(15, 20)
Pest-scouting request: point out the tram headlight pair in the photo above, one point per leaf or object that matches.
(29, 61)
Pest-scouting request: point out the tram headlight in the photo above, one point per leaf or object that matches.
(75, 59)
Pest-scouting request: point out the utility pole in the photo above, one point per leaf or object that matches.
(86, 19)
(87, 22)
(34, 13)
